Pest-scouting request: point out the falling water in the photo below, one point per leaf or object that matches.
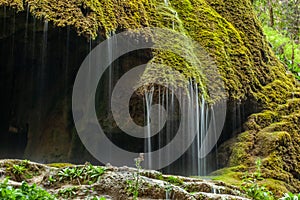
(44, 53)
(215, 190)
(110, 69)
(67, 60)
(200, 117)
(45, 43)
(160, 113)
(173, 22)
(214, 124)
(196, 124)
(148, 99)
(236, 118)
(202, 165)
(4, 24)
(26, 25)
(42, 69)
(26, 35)
(166, 2)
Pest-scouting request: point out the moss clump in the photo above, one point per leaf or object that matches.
(231, 175)
(16, 4)
(274, 137)
(60, 165)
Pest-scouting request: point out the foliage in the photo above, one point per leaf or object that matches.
(87, 174)
(285, 49)
(133, 185)
(21, 168)
(67, 192)
(98, 198)
(24, 192)
(252, 188)
(290, 196)
(282, 15)
(174, 180)
(281, 25)
(20, 171)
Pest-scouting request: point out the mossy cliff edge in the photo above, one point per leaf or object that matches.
(233, 37)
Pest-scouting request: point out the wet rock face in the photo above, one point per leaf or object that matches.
(38, 66)
(39, 63)
(113, 182)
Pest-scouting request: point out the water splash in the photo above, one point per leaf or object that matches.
(215, 190)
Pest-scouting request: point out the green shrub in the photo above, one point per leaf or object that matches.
(86, 174)
(25, 192)
(290, 196)
(283, 47)
(251, 186)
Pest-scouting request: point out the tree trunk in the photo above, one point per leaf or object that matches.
(271, 14)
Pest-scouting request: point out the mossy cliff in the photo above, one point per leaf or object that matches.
(233, 37)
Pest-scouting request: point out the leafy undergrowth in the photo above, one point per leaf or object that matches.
(285, 49)
(25, 191)
(253, 183)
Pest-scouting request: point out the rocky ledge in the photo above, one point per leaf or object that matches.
(67, 181)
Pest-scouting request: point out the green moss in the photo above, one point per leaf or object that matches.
(16, 4)
(174, 180)
(60, 165)
(277, 187)
(231, 175)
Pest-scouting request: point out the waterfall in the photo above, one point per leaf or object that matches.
(148, 99)
(201, 135)
(45, 43)
(66, 80)
(42, 72)
(4, 17)
(26, 34)
(213, 118)
(26, 25)
(110, 69)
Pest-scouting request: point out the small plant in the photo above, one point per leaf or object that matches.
(67, 192)
(94, 172)
(290, 196)
(25, 192)
(252, 188)
(19, 169)
(51, 179)
(88, 173)
(70, 173)
(133, 185)
(98, 198)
